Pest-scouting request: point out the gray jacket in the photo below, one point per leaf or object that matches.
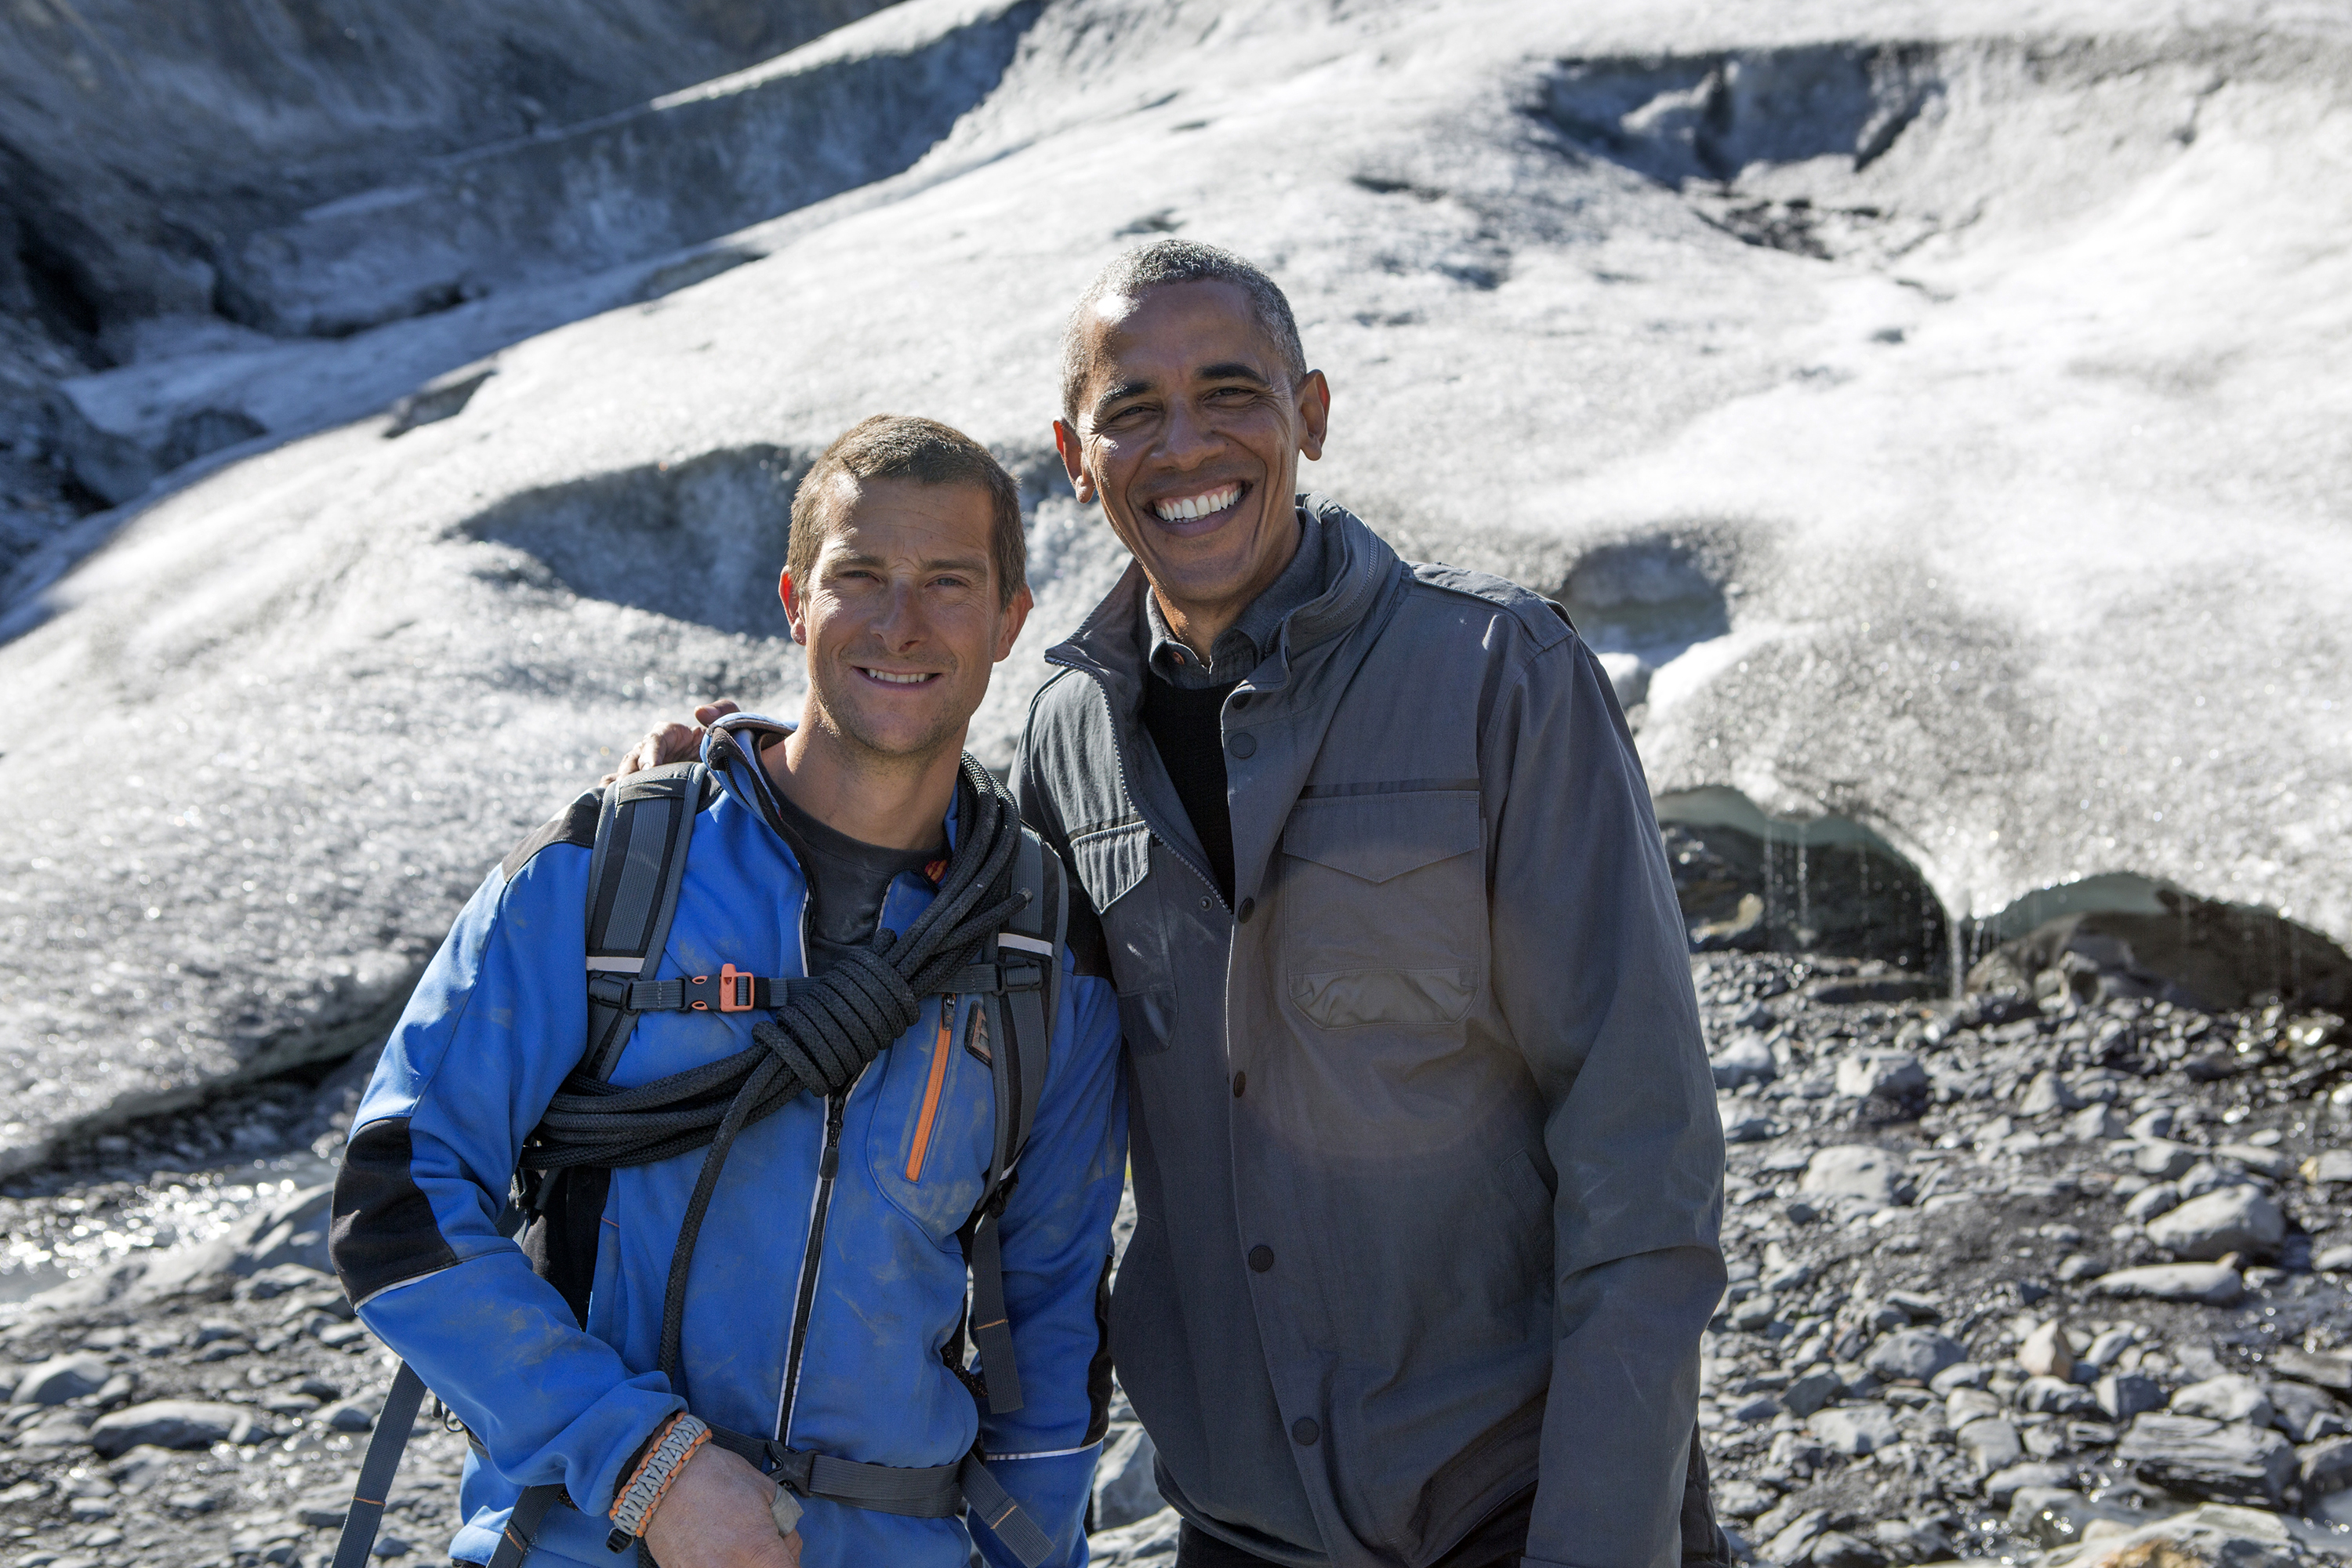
(1427, 1166)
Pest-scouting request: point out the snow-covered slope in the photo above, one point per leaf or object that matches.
(1940, 407)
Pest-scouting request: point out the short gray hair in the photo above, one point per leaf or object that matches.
(1155, 266)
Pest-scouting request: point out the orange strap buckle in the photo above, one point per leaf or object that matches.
(735, 989)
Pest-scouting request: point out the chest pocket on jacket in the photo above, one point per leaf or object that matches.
(1385, 907)
(928, 1146)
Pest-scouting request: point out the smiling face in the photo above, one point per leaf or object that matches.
(1190, 431)
(902, 618)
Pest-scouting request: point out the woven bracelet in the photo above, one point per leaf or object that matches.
(665, 1461)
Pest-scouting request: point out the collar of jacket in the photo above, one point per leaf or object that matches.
(1108, 644)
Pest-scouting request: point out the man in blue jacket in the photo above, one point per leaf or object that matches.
(824, 1300)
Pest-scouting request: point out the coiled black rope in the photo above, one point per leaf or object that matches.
(823, 1036)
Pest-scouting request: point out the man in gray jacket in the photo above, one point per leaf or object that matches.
(1427, 1168)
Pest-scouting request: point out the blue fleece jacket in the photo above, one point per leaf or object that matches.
(497, 1021)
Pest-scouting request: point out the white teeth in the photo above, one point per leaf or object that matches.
(1198, 506)
(883, 675)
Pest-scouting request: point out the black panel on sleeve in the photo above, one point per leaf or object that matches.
(1099, 1368)
(384, 1231)
(1089, 951)
(575, 824)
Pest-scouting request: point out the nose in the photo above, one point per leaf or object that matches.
(1185, 439)
(898, 624)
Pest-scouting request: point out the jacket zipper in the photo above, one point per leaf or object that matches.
(828, 1166)
(931, 1090)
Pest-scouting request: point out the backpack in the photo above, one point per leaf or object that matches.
(644, 824)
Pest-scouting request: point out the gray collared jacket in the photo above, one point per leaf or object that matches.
(1427, 1165)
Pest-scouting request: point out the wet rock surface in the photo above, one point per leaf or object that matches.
(1977, 1319)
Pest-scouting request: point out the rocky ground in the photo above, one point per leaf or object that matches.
(2035, 1283)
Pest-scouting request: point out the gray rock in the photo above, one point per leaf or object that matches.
(1853, 1429)
(1892, 1075)
(2209, 1283)
(2334, 1260)
(2108, 1346)
(2328, 1168)
(1744, 1060)
(1963, 1405)
(1809, 1390)
(2304, 1413)
(2056, 1396)
(1795, 1540)
(2229, 1397)
(61, 1378)
(1991, 1444)
(2327, 1369)
(1961, 1375)
(2000, 1487)
(2232, 1219)
(1125, 1490)
(2161, 1157)
(1856, 1173)
(2326, 1466)
(2157, 1198)
(2048, 1092)
(1836, 1549)
(2155, 1124)
(355, 1415)
(1912, 1540)
(2276, 1164)
(1149, 1542)
(1913, 1355)
(2226, 1461)
(2095, 1124)
(172, 1424)
(2124, 1394)
(2055, 1516)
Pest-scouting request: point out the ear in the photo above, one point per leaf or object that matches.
(1314, 415)
(1073, 462)
(1016, 615)
(795, 613)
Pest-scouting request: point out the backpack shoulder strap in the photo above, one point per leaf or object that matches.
(1029, 955)
(643, 828)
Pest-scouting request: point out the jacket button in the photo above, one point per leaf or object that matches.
(1241, 1082)
(1260, 1258)
(1305, 1432)
(1249, 908)
(1243, 745)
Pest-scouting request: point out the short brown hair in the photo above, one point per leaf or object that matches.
(906, 447)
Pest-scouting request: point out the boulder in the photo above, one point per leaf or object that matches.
(2304, 1413)
(2327, 1369)
(2209, 1283)
(1991, 1444)
(2001, 1487)
(1853, 1429)
(61, 1378)
(2276, 1164)
(2229, 1397)
(1836, 1549)
(2157, 1198)
(2329, 1167)
(1745, 1060)
(2124, 1394)
(1809, 1390)
(172, 1424)
(2224, 1461)
(2326, 1466)
(1913, 1355)
(1125, 1490)
(2162, 1158)
(1891, 1075)
(2230, 1219)
(1856, 1173)
(2045, 1353)
(2213, 1536)
(2056, 1396)
(2095, 1124)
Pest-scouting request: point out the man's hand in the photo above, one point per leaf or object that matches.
(717, 1515)
(673, 742)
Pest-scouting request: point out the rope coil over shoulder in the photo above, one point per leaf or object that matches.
(817, 1043)
(821, 1035)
